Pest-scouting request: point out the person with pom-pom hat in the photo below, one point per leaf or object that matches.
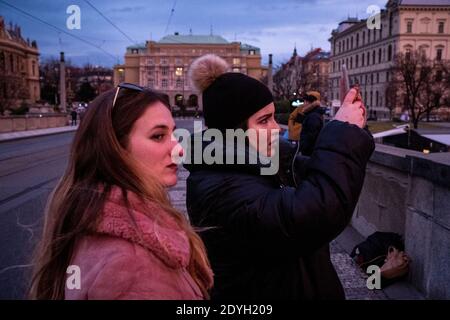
(265, 239)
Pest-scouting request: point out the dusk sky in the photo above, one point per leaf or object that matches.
(275, 27)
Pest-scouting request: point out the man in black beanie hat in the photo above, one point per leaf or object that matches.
(266, 240)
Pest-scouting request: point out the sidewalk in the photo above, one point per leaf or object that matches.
(16, 135)
(9, 136)
(353, 279)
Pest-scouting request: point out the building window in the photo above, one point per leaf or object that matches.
(134, 51)
(179, 83)
(408, 54)
(364, 38)
(164, 61)
(151, 71)
(409, 26)
(165, 71)
(2, 61)
(441, 27)
(387, 76)
(371, 98)
(357, 61)
(379, 55)
(368, 58)
(391, 23)
(178, 61)
(151, 83)
(179, 71)
(378, 78)
(389, 52)
(362, 60)
(347, 46)
(150, 61)
(439, 54)
(251, 52)
(11, 60)
(357, 40)
(407, 49)
(426, 23)
(351, 62)
(423, 50)
(373, 57)
(351, 43)
(164, 83)
(33, 68)
(236, 61)
(377, 98)
(368, 36)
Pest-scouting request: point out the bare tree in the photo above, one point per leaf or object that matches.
(413, 74)
(297, 75)
(440, 87)
(285, 80)
(308, 80)
(392, 97)
(12, 91)
(433, 94)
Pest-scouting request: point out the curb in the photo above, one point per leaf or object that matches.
(5, 138)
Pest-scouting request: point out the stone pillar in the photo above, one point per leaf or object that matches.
(62, 83)
(270, 75)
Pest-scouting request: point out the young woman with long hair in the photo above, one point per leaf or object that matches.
(110, 215)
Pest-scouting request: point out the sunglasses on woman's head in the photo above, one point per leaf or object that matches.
(125, 85)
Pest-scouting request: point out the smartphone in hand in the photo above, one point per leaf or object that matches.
(344, 85)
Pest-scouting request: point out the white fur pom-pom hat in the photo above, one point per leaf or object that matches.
(229, 98)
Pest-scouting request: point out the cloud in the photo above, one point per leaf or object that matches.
(128, 9)
(275, 27)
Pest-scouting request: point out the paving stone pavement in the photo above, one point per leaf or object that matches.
(352, 278)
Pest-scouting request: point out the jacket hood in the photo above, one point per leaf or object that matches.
(311, 107)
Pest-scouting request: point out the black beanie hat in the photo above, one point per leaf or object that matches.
(229, 98)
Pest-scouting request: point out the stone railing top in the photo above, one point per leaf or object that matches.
(434, 166)
(34, 115)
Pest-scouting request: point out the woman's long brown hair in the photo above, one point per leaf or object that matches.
(98, 161)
